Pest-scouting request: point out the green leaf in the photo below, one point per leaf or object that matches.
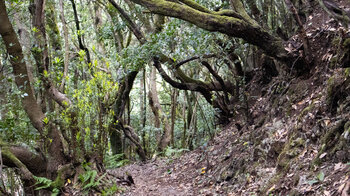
(55, 192)
(78, 137)
(46, 74)
(311, 182)
(42, 181)
(45, 120)
(320, 176)
(34, 29)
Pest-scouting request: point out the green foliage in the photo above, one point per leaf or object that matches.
(319, 178)
(89, 98)
(45, 184)
(88, 178)
(111, 190)
(171, 152)
(15, 126)
(115, 161)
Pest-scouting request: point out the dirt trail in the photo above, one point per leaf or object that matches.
(193, 173)
(282, 151)
(153, 179)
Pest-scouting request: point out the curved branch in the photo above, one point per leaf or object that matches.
(196, 6)
(25, 173)
(192, 59)
(130, 133)
(216, 75)
(57, 96)
(28, 162)
(81, 45)
(15, 52)
(183, 86)
(231, 26)
(132, 26)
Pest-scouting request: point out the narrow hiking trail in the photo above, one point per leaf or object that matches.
(296, 141)
(276, 154)
(153, 179)
(192, 173)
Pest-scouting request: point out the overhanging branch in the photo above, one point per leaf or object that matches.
(241, 26)
(178, 65)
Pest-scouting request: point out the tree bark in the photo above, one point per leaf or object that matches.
(14, 48)
(160, 116)
(66, 46)
(174, 95)
(33, 110)
(143, 108)
(235, 24)
(80, 39)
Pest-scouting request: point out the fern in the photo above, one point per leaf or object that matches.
(89, 178)
(115, 161)
(111, 190)
(45, 183)
(173, 152)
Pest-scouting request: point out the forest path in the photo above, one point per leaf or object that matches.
(193, 173)
(153, 178)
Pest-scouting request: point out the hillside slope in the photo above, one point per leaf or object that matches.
(297, 141)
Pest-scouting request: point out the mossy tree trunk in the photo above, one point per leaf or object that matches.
(234, 23)
(56, 156)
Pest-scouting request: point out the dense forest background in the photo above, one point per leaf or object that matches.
(254, 94)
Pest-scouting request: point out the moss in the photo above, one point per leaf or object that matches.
(346, 43)
(336, 41)
(284, 162)
(298, 142)
(306, 110)
(333, 62)
(329, 140)
(331, 84)
(25, 173)
(290, 150)
(346, 72)
(342, 141)
(288, 109)
(62, 172)
(347, 126)
(52, 27)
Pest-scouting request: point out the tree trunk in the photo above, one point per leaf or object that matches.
(174, 95)
(160, 116)
(66, 46)
(143, 107)
(33, 110)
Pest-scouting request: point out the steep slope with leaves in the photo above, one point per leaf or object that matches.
(297, 143)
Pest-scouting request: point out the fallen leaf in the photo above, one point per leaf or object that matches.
(326, 193)
(338, 166)
(327, 122)
(290, 175)
(323, 155)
